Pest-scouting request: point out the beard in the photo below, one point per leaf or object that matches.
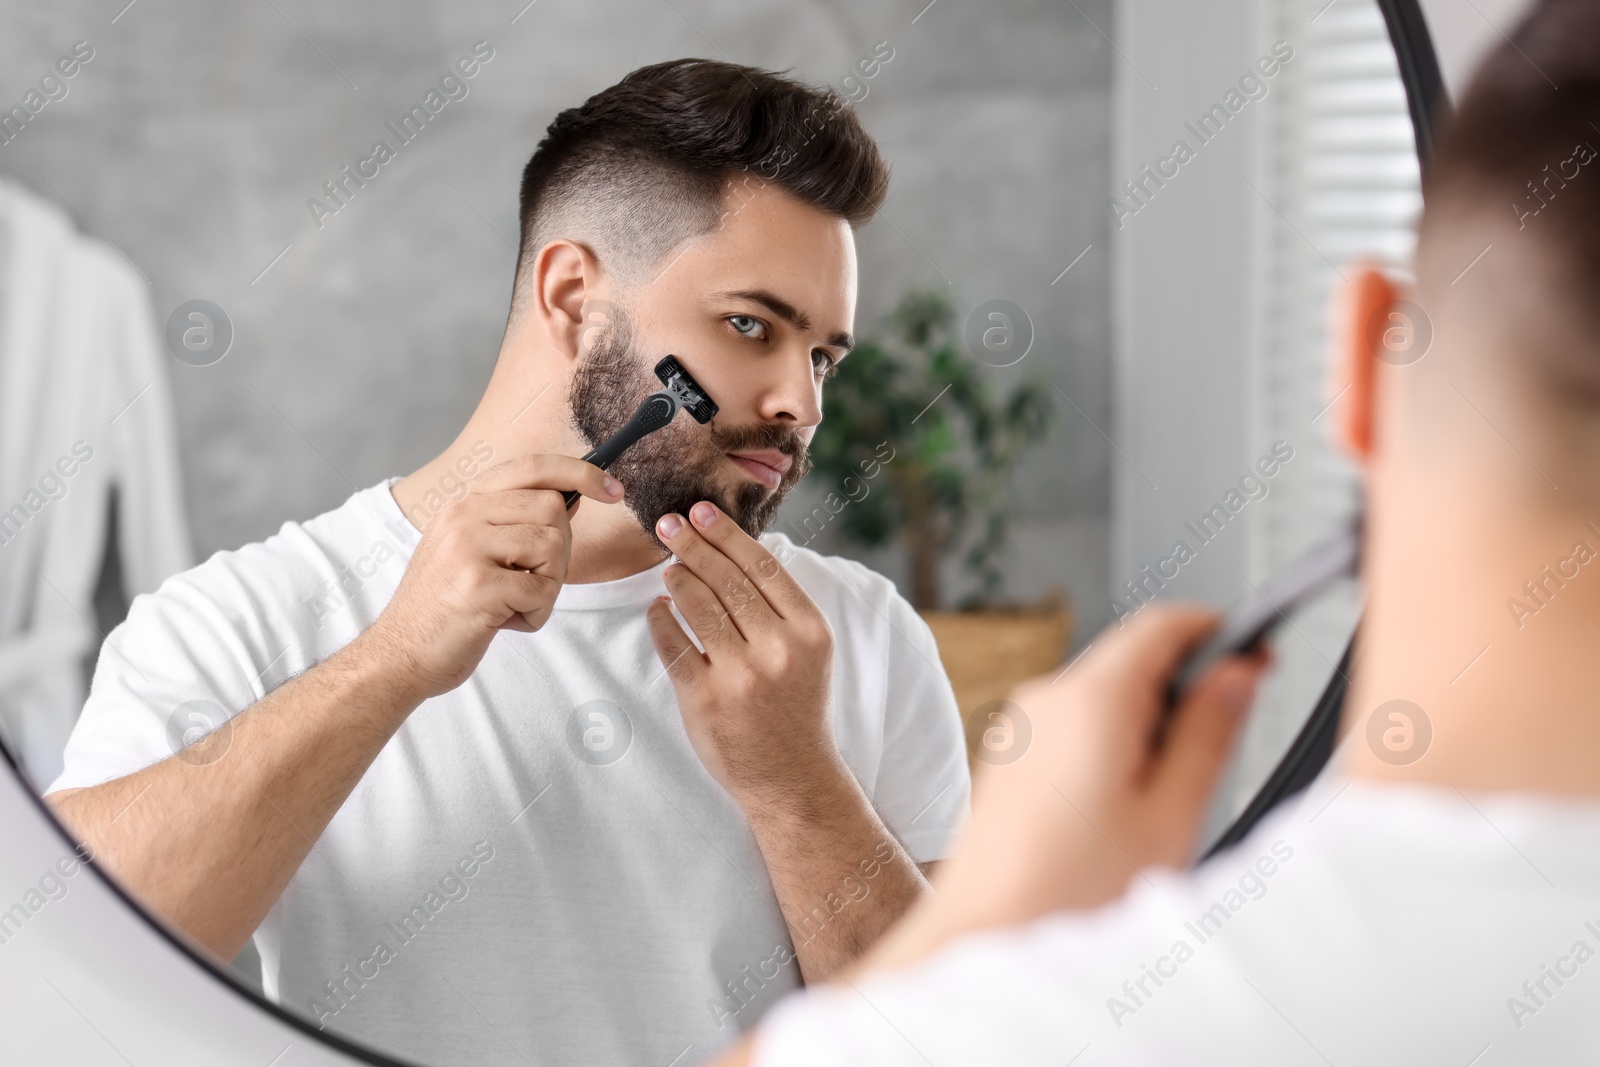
(670, 470)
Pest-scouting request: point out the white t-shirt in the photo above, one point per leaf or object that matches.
(1362, 925)
(536, 868)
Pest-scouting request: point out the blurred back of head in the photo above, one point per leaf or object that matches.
(1515, 180)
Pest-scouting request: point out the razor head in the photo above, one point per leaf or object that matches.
(685, 390)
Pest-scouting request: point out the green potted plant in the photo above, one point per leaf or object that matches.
(954, 445)
(943, 447)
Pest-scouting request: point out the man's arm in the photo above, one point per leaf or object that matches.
(840, 877)
(1091, 803)
(1094, 801)
(755, 707)
(210, 836)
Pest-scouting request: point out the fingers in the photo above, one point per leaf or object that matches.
(1201, 735)
(530, 597)
(776, 585)
(502, 596)
(738, 591)
(736, 563)
(512, 507)
(527, 547)
(713, 623)
(549, 472)
(1156, 642)
(683, 662)
(1118, 686)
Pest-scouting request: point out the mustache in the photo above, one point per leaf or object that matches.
(785, 439)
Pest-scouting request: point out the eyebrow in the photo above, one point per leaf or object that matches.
(786, 311)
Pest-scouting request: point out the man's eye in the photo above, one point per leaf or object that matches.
(748, 325)
(827, 367)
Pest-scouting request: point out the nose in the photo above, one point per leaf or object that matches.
(792, 393)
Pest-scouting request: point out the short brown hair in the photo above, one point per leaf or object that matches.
(640, 167)
(1517, 166)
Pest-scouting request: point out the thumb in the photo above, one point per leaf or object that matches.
(1201, 735)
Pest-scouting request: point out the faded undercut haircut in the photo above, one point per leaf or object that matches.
(642, 166)
(1517, 167)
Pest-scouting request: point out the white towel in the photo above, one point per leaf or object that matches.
(81, 372)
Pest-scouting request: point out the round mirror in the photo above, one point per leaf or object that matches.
(1020, 316)
(1246, 198)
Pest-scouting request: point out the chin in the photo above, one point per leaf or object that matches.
(662, 488)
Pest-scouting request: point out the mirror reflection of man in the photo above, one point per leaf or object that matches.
(480, 797)
(1435, 895)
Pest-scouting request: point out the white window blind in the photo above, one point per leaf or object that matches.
(1338, 179)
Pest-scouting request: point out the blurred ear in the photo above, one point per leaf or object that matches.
(1364, 315)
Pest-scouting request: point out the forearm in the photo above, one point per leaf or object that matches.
(840, 876)
(210, 843)
(928, 925)
(977, 889)
(1008, 873)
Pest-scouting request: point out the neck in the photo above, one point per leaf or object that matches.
(1505, 671)
(524, 412)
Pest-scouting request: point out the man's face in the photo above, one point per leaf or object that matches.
(756, 310)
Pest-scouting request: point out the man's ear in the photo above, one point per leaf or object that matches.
(565, 284)
(1365, 313)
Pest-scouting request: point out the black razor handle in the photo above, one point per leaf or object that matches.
(1248, 623)
(656, 411)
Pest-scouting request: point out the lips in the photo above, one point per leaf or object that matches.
(766, 466)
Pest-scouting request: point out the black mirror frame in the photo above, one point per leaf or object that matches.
(1313, 746)
(354, 1050)
(1310, 751)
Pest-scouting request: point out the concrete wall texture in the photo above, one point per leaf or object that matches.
(194, 138)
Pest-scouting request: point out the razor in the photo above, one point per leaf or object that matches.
(682, 393)
(1246, 625)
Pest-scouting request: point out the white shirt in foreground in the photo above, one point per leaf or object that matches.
(1361, 925)
(536, 868)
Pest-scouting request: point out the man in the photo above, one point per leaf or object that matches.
(480, 791)
(1436, 897)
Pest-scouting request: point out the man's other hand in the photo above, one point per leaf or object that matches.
(493, 560)
(1093, 777)
(1093, 802)
(755, 702)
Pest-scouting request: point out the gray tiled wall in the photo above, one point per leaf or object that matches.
(197, 133)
